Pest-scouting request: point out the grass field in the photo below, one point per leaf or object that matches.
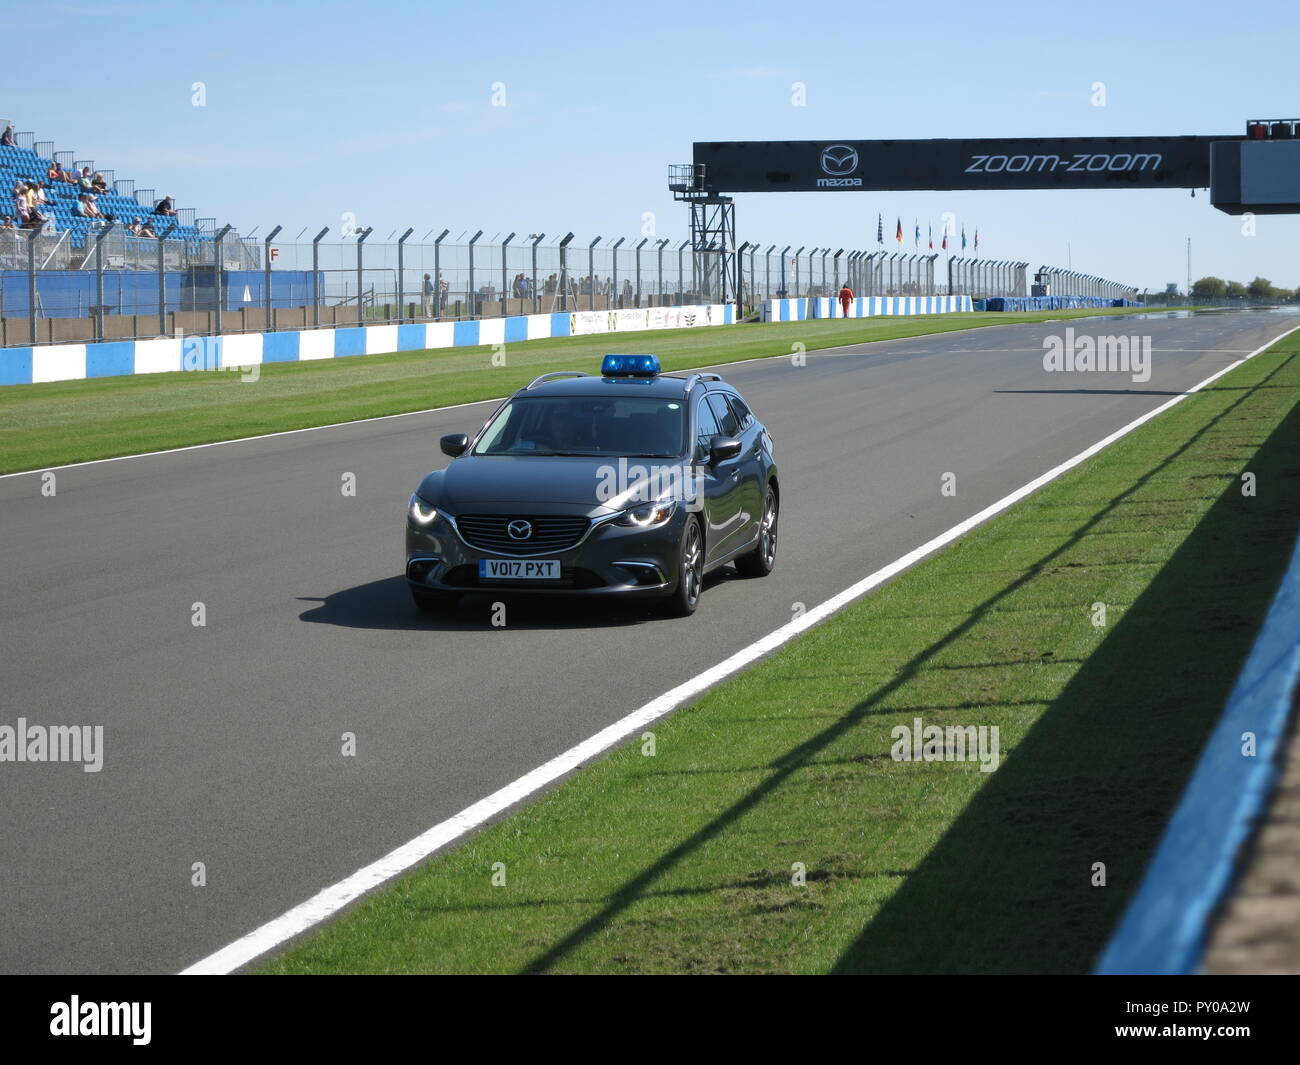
(684, 861)
(75, 421)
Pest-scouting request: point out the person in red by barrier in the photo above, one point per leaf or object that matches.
(846, 294)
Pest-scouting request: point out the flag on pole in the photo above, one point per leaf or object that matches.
(880, 229)
(963, 238)
(929, 227)
(917, 238)
(977, 238)
(945, 238)
(898, 231)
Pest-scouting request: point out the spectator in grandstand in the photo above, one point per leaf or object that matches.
(7, 138)
(86, 206)
(53, 173)
(146, 229)
(426, 297)
(7, 222)
(70, 176)
(98, 183)
(166, 206)
(21, 210)
(38, 190)
(86, 180)
(134, 227)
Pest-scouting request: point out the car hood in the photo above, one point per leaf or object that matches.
(597, 484)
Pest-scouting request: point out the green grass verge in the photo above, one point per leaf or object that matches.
(682, 862)
(75, 421)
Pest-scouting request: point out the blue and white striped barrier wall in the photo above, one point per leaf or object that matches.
(799, 310)
(1165, 926)
(115, 358)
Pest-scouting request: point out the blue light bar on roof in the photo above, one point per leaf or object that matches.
(630, 366)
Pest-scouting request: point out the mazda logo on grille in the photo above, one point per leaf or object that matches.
(838, 159)
(519, 529)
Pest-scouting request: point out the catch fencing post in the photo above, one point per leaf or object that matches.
(401, 273)
(31, 284)
(740, 276)
(537, 299)
(218, 270)
(681, 271)
(315, 277)
(796, 269)
(437, 273)
(505, 292)
(591, 274)
(644, 240)
(783, 290)
(266, 265)
(564, 271)
(361, 308)
(473, 296)
(99, 280)
(616, 300)
(162, 280)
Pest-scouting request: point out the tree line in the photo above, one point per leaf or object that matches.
(1259, 289)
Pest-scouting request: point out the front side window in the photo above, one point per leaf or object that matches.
(603, 426)
(706, 427)
(728, 423)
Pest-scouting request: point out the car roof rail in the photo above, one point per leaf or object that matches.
(691, 381)
(554, 376)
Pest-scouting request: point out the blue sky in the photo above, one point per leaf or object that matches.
(385, 111)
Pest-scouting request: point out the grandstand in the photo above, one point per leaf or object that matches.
(29, 161)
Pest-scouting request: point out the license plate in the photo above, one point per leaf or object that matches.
(518, 569)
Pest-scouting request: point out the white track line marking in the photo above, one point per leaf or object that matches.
(493, 399)
(334, 898)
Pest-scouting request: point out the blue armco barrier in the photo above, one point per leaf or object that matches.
(1164, 928)
(798, 310)
(70, 362)
(1050, 303)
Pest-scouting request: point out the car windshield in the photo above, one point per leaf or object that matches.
(631, 426)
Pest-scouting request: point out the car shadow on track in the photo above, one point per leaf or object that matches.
(386, 604)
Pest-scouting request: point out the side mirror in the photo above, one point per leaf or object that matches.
(722, 448)
(454, 444)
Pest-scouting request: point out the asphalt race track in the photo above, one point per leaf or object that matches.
(222, 743)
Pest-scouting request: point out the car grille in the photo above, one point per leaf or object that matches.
(550, 532)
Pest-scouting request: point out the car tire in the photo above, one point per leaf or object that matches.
(434, 602)
(761, 561)
(690, 572)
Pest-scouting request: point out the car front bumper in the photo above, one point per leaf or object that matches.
(610, 560)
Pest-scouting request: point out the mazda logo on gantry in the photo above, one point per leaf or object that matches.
(839, 159)
(520, 529)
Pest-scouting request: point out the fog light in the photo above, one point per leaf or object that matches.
(418, 569)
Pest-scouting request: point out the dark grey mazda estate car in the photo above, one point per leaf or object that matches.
(632, 483)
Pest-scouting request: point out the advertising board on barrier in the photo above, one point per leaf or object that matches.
(586, 323)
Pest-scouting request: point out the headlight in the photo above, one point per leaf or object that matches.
(422, 513)
(649, 515)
